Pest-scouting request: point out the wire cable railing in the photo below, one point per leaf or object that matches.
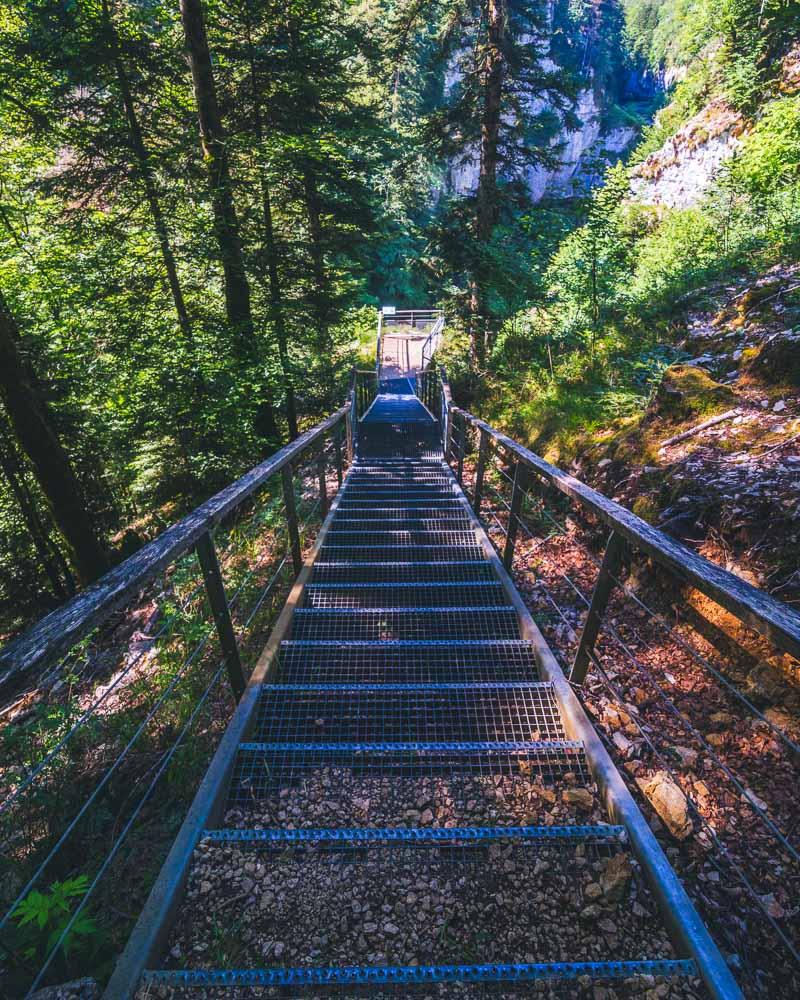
(74, 765)
(515, 492)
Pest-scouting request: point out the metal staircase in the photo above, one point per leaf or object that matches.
(404, 669)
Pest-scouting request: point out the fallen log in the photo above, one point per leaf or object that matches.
(728, 415)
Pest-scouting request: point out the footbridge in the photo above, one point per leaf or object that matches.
(409, 797)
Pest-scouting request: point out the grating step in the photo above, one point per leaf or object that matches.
(398, 536)
(399, 466)
(408, 495)
(431, 472)
(388, 508)
(409, 784)
(386, 624)
(348, 552)
(376, 485)
(399, 470)
(400, 572)
(411, 594)
(263, 767)
(381, 519)
(304, 662)
(400, 482)
(490, 711)
(457, 521)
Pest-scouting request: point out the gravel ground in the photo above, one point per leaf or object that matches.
(246, 908)
(565, 903)
(551, 907)
(338, 797)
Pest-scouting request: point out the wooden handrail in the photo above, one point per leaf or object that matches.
(768, 616)
(59, 630)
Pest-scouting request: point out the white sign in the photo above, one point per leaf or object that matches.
(388, 310)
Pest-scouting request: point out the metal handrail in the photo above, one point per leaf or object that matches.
(768, 616)
(432, 342)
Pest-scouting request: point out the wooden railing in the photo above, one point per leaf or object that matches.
(62, 628)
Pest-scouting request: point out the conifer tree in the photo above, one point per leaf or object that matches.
(498, 120)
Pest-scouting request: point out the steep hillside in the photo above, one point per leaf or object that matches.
(677, 302)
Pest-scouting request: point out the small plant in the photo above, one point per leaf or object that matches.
(43, 917)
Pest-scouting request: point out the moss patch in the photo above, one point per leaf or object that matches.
(776, 362)
(687, 392)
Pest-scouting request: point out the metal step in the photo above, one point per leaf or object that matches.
(388, 508)
(365, 662)
(326, 570)
(262, 769)
(399, 536)
(386, 624)
(410, 493)
(445, 712)
(457, 521)
(378, 595)
(335, 551)
(382, 836)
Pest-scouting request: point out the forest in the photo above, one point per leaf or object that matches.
(204, 207)
(201, 208)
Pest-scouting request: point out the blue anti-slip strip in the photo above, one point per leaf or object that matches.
(391, 643)
(485, 747)
(405, 835)
(443, 686)
(409, 974)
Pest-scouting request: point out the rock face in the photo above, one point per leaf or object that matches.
(669, 802)
(584, 155)
(679, 173)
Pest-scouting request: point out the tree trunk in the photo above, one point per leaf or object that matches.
(50, 557)
(486, 200)
(320, 296)
(51, 465)
(270, 251)
(215, 153)
(145, 168)
(226, 222)
(276, 309)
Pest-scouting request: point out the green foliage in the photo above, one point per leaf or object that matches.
(680, 253)
(49, 923)
(769, 160)
(44, 918)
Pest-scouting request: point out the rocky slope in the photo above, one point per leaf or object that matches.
(730, 488)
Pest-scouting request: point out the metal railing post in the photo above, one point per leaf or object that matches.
(215, 588)
(480, 472)
(462, 447)
(291, 517)
(520, 483)
(379, 347)
(323, 485)
(351, 419)
(337, 449)
(602, 591)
